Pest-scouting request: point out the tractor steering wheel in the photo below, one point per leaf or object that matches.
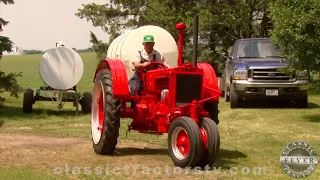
(151, 66)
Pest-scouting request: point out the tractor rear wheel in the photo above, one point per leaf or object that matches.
(184, 142)
(211, 142)
(85, 102)
(28, 101)
(105, 118)
(213, 110)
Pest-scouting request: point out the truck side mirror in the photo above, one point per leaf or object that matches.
(222, 58)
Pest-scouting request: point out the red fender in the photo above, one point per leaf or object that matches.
(119, 75)
(210, 78)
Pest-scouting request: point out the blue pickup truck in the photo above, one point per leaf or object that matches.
(253, 70)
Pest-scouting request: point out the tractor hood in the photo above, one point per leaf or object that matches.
(246, 63)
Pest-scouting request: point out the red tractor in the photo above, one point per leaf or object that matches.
(181, 101)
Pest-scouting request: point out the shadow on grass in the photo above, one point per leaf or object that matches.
(11, 112)
(129, 151)
(313, 118)
(1, 123)
(274, 104)
(226, 158)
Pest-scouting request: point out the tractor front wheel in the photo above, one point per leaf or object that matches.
(211, 142)
(105, 116)
(184, 142)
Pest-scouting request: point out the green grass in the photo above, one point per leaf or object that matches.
(250, 137)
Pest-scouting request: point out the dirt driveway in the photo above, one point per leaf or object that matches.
(48, 154)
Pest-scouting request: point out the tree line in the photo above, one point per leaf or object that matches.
(34, 51)
(292, 25)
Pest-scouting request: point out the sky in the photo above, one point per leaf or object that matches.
(38, 24)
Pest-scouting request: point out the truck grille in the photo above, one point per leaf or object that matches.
(268, 75)
(188, 88)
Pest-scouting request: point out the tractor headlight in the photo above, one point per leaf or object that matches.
(240, 74)
(302, 75)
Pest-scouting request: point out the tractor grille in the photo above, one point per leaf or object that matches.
(268, 75)
(188, 88)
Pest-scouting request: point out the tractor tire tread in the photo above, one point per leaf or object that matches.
(210, 155)
(195, 142)
(112, 117)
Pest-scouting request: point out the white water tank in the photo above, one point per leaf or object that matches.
(126, 46)
(61, 68)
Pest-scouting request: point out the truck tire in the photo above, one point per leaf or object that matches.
(105, 118)
(212, 146)
(226, 94)
(184, 142)
(86, 103)
(302, 102)
(234, 100)
(28, 101)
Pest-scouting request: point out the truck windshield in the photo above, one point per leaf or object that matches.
(256, 49)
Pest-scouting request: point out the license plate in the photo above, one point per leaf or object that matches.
(272, 92)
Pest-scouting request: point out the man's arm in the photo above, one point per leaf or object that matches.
(137, 62)
(137, 65)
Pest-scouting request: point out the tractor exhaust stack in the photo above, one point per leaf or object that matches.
(195, 40)
(180, 27)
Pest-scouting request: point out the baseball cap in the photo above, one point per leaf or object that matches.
(148, 38)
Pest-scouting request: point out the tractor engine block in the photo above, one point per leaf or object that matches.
(151, 117)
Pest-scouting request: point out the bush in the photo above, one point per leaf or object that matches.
(315, 81)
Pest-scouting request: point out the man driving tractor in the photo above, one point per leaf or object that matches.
(143, 58)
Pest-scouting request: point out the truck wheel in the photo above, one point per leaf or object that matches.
(184, 142)
(86, 102)
(226, 94)
(211, 142)
(303, 102)
(105, 118)
(28, 101)
(234, 100)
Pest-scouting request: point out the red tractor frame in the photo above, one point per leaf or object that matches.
(181, 101)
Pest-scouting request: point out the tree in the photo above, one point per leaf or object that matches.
(221, 22)
(7, 82)
(296, 32)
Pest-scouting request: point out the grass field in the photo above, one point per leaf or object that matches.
(52, 144)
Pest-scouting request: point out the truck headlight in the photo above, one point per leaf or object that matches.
(240, 74)
(302, 75)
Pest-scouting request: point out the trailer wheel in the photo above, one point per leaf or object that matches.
(184, 142)
(234, 100)
(28, 101)
(105, 118)
(86, 103)
(211, 142)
